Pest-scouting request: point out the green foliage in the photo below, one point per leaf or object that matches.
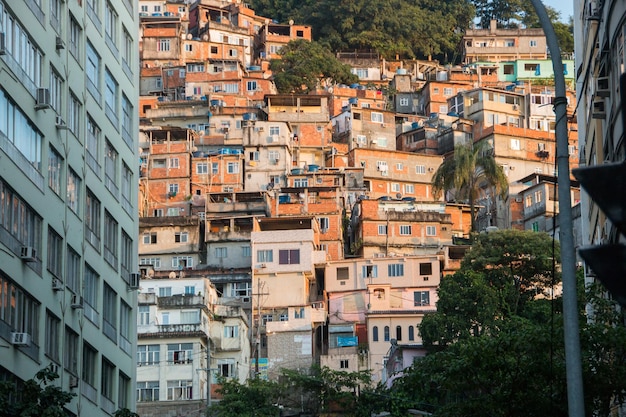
(125, 412)
(403, 28)
(304, 66)
(469, 172)
(34, 398)
(257, 398)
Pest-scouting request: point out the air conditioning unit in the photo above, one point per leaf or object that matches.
(602, 87)
(28, 254)
(59, 43)
(133, 280)
(77, 302)
(599, 111)
(245, 299)
(57, 284)
(263, 266)
(273, 162)
(43, 99)
(431, 169)
(73, 381)
(516, 107)
(3, 49)
(60, 123)
(20, 339)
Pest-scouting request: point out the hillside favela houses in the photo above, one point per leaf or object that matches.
(284, 230)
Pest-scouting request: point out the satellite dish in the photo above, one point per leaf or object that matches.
(398, 196)
(189, 36)
(291, 22)
(194, 149)
(183, 36)
(150, 273)
(172, 275)
(201, 133)
(269, 187)
(205, 38)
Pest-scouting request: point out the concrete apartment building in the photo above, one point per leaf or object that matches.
(68, 139)
(495, 44)
(289, 310)
(373, 303)
(365, 128)
(186, 341)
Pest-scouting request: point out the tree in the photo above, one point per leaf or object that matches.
(35, 397)
(469, 172)
(304, 66)
(499, 276)
(257, 397)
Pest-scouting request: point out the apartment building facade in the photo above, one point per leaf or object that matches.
(68, 137)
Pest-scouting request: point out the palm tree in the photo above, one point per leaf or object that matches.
(470, 170)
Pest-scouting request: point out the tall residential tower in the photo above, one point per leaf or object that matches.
(68, 196)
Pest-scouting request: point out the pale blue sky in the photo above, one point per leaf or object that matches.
(566, 7)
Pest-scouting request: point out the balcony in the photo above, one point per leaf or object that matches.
(181, 300)
(144, 298)
(172, 329)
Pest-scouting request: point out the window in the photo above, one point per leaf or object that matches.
(324, 223)
(56, 91)
(163, 45)
(535, 226)
(405, 229)
(395, 270)
(538, 196)
(426, 268)
(55, 252)
(89, 365)
(226, 367)
(377, 117)
(231, 332)
(375, 334)
(125, 327)
(395, 187)
(233, 168)
(435, 90)
(90, 295)
(127, 52)
(179, 390)
(265, 318)
(343, 364)
(274, 130)
(70, 351)
(110, 169)
(246, 251)
(109, 312)
(74, 112)
(274, 155)
(252, 86)
(411, 334)
(107, 379)
(92, 220)
(127, 121)
(127, 188)
(110, 27)
(421, 298)
(202, 168)
(301, 182)
(148, 354)
(92, 70)
(22, 135)
(143, 315)
(55, 166)
(370, 271)
(165, 318)
(343, 273)
(149, 238)
(508, 69)
(75, 36)
(147, 391)
(25, 54)
(362, 73)
(431, 230)
(72, 270)
(173, 190)
(221, 252)
(529, 200)
(154, 262)
(398, 333)
(533, 43)
(214, 168)
(382, 229)
(404, 101)
(190, 317)
(181, 262)
(409, 189)
(165, 291)
(448, 91)
(283, 317)
(111, 97)
(179, 353)
(110, 239)
(92, 143)
(386, 333)
(174, 163)
(53, 327)
(289, 256)
(181, 237)
(123, 391)
(266, 255)
(420, 169)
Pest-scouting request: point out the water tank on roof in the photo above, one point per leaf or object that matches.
(401, 71)
(355, 85)
(313, 168)
(442, 76)
(415, 125)
(353, 100)
(214, 102)
(255, 68)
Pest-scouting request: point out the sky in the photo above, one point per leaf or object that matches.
(566, 7)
